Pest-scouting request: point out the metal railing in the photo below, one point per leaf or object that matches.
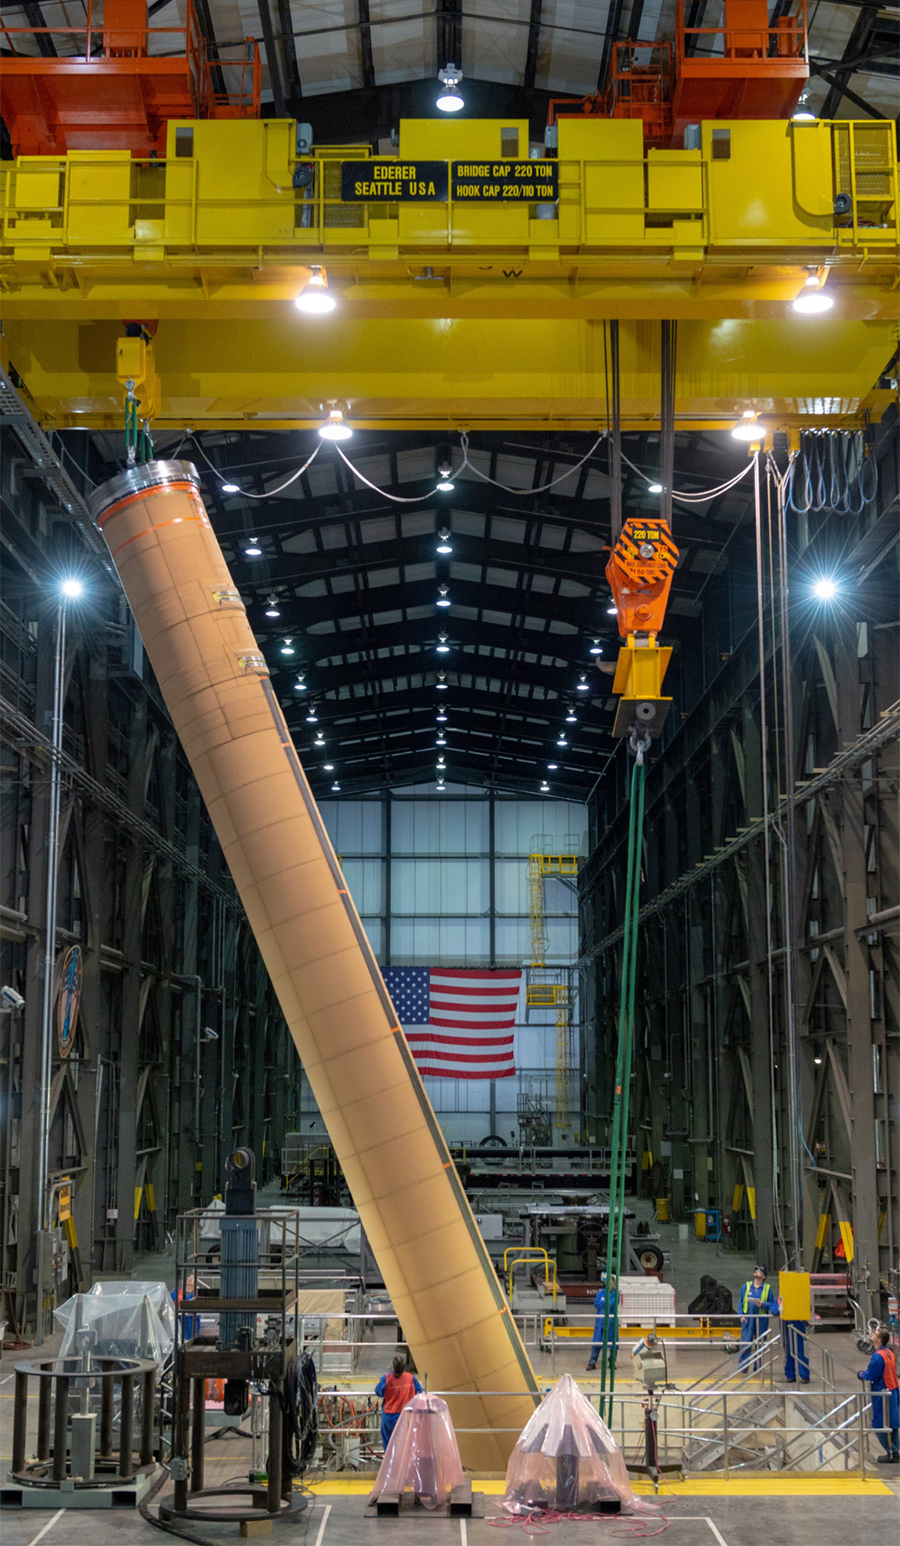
(749, 43)
(718, 1425)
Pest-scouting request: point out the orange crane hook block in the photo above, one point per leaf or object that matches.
(640, 572)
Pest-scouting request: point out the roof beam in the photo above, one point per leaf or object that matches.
(268, 32)
(370, 113)
(293, 85)
(857, 43)
(367, 59)
(694, 19)
(534, 44)
(569, 647)
(448, 17)
(838, 83)
(37, 19)
(613, 22)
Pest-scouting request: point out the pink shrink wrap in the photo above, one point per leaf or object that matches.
(566, 1460)
(422, 1456)
(411, 1202)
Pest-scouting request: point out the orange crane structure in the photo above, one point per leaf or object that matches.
(639, 572)
(749, 67)
(116, 84)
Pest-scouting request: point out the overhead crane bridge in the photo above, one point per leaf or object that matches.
(451, 312)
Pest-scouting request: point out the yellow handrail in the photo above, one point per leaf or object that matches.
(550, 1279)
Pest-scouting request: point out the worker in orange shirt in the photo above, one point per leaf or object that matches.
(397, 1389)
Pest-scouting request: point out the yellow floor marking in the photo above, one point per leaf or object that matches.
(788, 1486)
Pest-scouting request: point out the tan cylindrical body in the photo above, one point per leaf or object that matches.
(379, 1118)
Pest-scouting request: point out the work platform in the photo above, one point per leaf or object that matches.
(451, 312)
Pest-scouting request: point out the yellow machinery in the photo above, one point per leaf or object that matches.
(452, 311)
(795, 1296)
(545, 990)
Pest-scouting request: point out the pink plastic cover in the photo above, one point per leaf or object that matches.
(422, 1455)
(567, 1459)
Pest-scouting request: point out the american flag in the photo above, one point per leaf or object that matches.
(458, 1024)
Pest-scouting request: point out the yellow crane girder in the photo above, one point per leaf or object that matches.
(454, 313)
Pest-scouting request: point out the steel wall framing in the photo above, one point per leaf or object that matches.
(419, 864)
(148, 1104)
(711, 1080)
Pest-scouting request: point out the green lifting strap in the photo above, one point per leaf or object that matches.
(621, 1100)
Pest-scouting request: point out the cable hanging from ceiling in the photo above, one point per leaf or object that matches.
(524, 492)
(831, 471)
(269, 492)
(697, 499)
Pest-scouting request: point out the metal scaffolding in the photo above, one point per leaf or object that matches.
(546, 988)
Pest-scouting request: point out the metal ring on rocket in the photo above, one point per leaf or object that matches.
(137, 480)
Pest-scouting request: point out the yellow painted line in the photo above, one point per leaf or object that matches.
(764, 1486)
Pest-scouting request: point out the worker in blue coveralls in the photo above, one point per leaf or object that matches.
(397, 1389)
(796, 1360)
(757, 1303)
(881, 1374)
(600, 1308)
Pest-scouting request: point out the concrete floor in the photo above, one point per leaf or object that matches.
(827, 1510)
(690, 1518)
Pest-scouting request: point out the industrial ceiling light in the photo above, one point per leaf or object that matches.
(612, 610)
(545, 787)
(562, 741)
(443, 599)
(320, 739)
(445, 486)
(315, 298)
(812, 299)
(441, 682)
(287, 648)
(449, 98)
(300, 684)
(444, 540)
(253, 549)
(582, 685)
(654, 488)
(441, 717)
(443, 647)
(825, 589)
(312, 717)
(328, 767)
(441, 741)
(552, 767)
(801, 113)
(335, 788)
(272, 607)
(596, 648)
(71, 588)
(571, 719)
(747, 427)
(440, 786)
(334, 427)
(231, 488)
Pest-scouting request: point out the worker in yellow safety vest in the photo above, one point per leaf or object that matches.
(757, 1303)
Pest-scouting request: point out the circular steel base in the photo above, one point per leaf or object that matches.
(258, 1508)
